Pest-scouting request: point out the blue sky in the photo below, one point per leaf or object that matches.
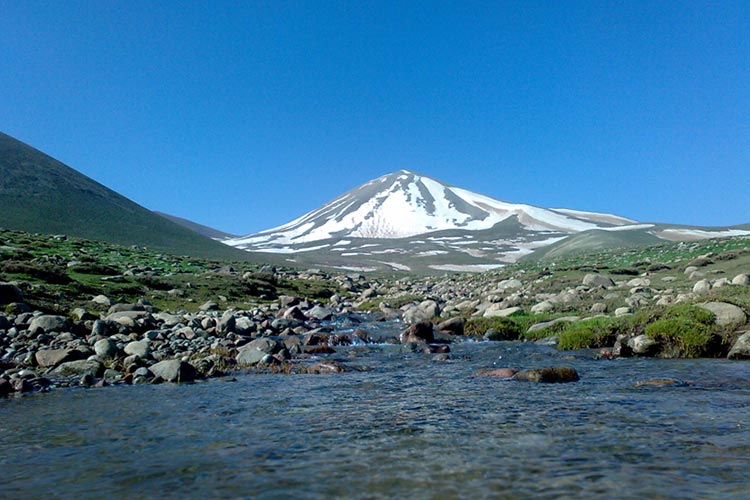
(244, 115)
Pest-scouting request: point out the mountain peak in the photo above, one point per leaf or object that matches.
(405, 204)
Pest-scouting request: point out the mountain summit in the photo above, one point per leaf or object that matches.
(404, 204)
(406, 215)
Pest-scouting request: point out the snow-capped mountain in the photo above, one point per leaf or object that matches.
(405, 204)
(405, 215)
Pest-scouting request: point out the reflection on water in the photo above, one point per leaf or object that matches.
(409, 428)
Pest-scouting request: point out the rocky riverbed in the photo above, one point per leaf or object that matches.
(166, 319)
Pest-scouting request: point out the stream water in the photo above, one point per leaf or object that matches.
(408, 427)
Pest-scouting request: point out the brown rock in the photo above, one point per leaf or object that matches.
(418, 332)
(498, 372)
(54, 357)
(559, 374)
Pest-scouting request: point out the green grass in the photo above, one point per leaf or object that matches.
(594, 332)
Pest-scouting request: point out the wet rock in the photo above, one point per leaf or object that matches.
(53, 357)
(6, 387)
(173, 370)
(48, 323)
(424, 311)
(660, 382)
(726, 314)
(498, 372)
(419, 332)
(643, 345)
(741, 347)
(22, 385)
(559, 374)
(436, 349)
(79, 368)
(254, 352)
(325, 367)
(319, 349)
(453, 326)
(320, 313)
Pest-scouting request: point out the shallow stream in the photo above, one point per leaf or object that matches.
(409, 427)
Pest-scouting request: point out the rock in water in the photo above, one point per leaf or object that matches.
(453, 326)
(254, 352)
(741, 347)
(173, 370)
(418, 332)
(560, 374)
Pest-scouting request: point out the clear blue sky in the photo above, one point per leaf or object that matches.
(244, 115)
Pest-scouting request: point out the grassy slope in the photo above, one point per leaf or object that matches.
(41, 194)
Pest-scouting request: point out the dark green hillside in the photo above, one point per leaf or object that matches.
(41, 194)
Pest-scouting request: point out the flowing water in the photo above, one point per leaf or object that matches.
(410, 427)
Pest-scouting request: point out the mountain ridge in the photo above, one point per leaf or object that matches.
(41, 194)
(406, 221)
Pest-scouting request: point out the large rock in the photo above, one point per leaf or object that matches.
(320, 313)
(741, 280)
(419, 332)
(544, 324)
(254, 352)
(702, 286)
(173, 370)
(542, 307)
(726, 314)
(424, 311)
(643, 345)
(79, 368)
(105, 348)
(10, 293)
(597, 280)
(48, 323)
(559, 374)
(741, 347)
(227, 323)
(502, 313)
(128, 319)
(453, 326)
(54, 357)
(138, 348)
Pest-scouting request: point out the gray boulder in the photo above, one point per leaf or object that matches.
(741, 347)
(79, 368)
(174, 370)
(453, 326)
(741, 280)
(320, 313)
(48, 323)
(702, 286)
(643, 345)
(209, 306)
(726, 314)
(138, 348)
(254, 352)
(105, 348)
(597, 280)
